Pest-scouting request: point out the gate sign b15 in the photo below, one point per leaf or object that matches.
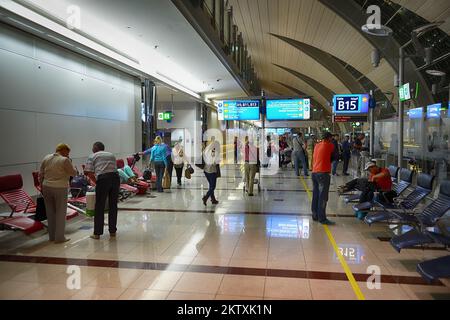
(351, 104)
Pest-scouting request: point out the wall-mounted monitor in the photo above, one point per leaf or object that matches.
(416, 113)
(288, 109)
(434, 111)
(238, 110)
(351, 104)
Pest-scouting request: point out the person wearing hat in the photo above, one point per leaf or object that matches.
(379, 179)
(322, 157)
(54, 175)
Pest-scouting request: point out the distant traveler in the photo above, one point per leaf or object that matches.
(158, 156)
(323, 152)
(211, 156)
(357, 147)
(346, 154)
(179, 160)
(102, 169)
(54, 174)
(169, 166)
(300, 154)
(336, 154)
(250, 166)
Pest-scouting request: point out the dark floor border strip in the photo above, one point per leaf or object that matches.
(388, 239)
(301, 274)
(240, 189)
(242, 212)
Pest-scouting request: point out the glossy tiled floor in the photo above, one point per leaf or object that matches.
(262, 247)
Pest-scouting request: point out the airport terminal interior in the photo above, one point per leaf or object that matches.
(228, 134)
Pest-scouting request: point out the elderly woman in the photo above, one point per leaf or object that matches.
(55, 172)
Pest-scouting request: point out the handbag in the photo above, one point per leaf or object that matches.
(187, 174)
(191, 170)
(41, 212)
(219, 174)
(166, 180)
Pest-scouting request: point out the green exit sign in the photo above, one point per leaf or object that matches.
(165, 116)
(404, 92)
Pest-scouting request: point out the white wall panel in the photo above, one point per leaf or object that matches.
(17, 85)
(68, 99)
(18, 143)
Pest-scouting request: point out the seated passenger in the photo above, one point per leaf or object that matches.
(379, 179)
(127, 176)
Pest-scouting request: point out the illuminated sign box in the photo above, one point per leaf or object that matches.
(349, 118)
(351, 104)
(404, 92)
(288, 109)
(416, 113)
(238, 110)
(165, 116)
(434, 111)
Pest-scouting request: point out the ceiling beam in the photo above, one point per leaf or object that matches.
(328, 61)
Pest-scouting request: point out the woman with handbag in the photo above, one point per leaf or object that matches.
(158, 156)
(54, 175)
(179, 159)
(211, 156)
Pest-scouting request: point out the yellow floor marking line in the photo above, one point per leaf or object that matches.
(344, 264)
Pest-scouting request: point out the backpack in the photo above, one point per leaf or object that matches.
(79, 186)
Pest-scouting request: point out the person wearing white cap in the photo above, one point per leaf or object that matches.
(379, 179)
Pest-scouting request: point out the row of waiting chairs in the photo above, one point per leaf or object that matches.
(401, 212)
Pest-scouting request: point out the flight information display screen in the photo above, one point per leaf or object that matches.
(238, 110)
(416, 113)
(294, 109)
(434, 111)
(351, 104)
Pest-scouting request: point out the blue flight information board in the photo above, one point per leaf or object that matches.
(434, 111)
(294, 109)
(238, 110)
(351, 104)
(415, 113)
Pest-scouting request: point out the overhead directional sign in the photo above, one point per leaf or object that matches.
(351, 104)
(238, 110)
(404, 92)
(290, 109)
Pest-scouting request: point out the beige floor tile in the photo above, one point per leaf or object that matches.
(331, 290)
(286, 264)
(50, 292)
(97, 293)
(420, 292)
(115, 278)
(166, 280)
(253, 253)
(13, 290)
(211, 261)
(248, 263)
(199, 283)
(139, 294)
(228, 297)
(174, 295)
(287, 288)
(146, 280)
(252, 286)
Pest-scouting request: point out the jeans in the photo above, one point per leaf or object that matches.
(297, 157)
(321, 186)
(334, 168)
(108, 186)
(212, 180)
(179, 171)
(169, 167)
(159, 169)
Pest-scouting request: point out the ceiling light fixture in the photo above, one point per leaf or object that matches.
(378, 31)
(436, 73)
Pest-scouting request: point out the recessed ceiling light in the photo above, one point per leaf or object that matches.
(436, 73)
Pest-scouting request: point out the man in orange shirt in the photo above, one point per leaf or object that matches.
(323, 152)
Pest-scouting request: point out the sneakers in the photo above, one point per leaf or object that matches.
(95, 237)
(328, 222)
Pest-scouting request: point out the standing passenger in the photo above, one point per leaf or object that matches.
(299, 154)
(179, 159)
(250, 166)
(102, 169)
(211, 156)
(55, 172)
(158, 156)
(346, 154)
(323, 153)
(336, 154)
